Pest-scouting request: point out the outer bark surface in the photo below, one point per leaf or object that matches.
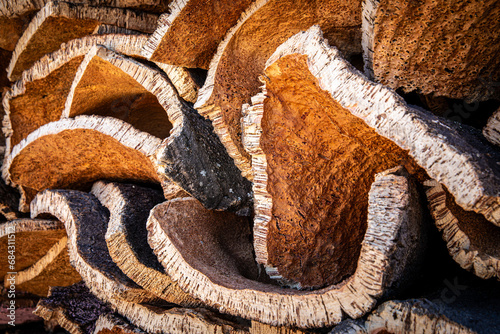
(241, 57)
(39, 96)
(188, 36)
(492, 129)
(79, 20)
(441, 48)
(126, 237)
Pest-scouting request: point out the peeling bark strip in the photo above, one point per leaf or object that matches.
(74, 308)
(126, 237)
(39, 96)
(412, 316)
(39, 39)
(209, 255)
(452, 154)
(313, 164)
(182, 80)
(41, 258)
(240, 58)
(442, 48)
(492, 129)
(85, 220)
(188, 36)
(105, 84)
(471, 240)
(76, 152)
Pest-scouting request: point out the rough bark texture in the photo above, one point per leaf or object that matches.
(188, 36)
(126, 237)
(75, 152)
(71, 21)
(313, 163)
(444, 48)
(241, 57)
(183, 81)
(105, 280)
(492, 129)
(452, 154)
(41, 255)
(112, 324)
(39, 96)
(210, 256)
(471, 240)
(74, 308)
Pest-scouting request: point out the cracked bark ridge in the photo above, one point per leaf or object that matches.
(126, 237)
(80, 20)
(74, 308)
(441, 48)
(189, 34)
(240, 59)
(491, 131)
(86, 222)
(39, 96)
(41, 255)
(471, 240)
(210, 255)
(313, 164)
(76, 152)
(452, 154)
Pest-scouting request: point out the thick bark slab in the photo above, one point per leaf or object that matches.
(79, 20)
(74, 308)
(85, 220)
(492, 129)
(39, 96)
(187, 86)
(471, 240)
(11, 29)
(40, 255)
(452, 154)
(189, 34)
(241, 57)
(210, 255)
(126, 237)
(441, 48)
(76, 152)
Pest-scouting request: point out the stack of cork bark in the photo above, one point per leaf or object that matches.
(268, 166)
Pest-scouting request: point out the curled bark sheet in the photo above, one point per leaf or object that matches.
(440, 48)
(471, 240)
(39, 38)
(240, 59)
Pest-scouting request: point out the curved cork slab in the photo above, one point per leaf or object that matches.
(412, 316)
(471, 240)
(454, 155)
(39, 96)
(70, 21)
(210, 255)
(103, 86)
(241, 57)
(41, 255)
(11, 29)
(76, 152)
(105, 280)
(190, 33)
(443, 48)
(126, 237)
(74, 308)
(492, 129)
(186, 84)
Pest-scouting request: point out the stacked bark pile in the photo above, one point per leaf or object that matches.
(194, 166)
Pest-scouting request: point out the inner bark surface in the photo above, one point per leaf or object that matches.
(74, 158)
(322, 161)
(106, 90)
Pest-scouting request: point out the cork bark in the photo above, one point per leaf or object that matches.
(79, 20)
(471, 240)
(210, 255)
(39, 96)
(186, 85)
(112, 324)
(9, 202)
(189, 34)
(126, 238)
(240, 59)
(441, 48)
(491, 131)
